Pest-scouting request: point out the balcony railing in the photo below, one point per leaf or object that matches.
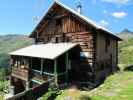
(41, 77)
(20, 73)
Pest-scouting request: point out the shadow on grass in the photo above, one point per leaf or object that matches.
(129, 68)
(84, 97)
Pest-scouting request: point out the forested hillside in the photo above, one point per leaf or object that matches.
(10, 43)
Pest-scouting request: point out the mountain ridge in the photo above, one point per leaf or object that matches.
(125, 34)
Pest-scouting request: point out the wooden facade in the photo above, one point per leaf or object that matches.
(95, 57)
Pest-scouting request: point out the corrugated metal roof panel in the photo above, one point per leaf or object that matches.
(47, 51)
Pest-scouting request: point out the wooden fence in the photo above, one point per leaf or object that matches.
(32, 94)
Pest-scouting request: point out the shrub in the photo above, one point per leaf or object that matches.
(2, 74)
(2, 85)
(53, 91)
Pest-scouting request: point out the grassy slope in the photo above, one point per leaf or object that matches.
(126, 52)
(116, 87)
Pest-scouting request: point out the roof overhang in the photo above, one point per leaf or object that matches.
(46, 51)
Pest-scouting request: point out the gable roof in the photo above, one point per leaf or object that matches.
(84, 18)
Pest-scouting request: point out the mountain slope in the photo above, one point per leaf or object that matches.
(10, 43)
(125, 34)
(126, 52)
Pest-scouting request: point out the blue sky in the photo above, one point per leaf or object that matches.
(18, 16)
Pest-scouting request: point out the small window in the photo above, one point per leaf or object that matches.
(56, 39)
(107, 44)
(58, 22)
(84, 55)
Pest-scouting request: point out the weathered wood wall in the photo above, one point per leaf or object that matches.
(106, 55)
(69, 29)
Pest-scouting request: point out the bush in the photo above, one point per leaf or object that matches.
(4, 60)
(2, 85)
(53, 91)
(2, 74)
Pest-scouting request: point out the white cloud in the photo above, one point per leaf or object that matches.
(120, 2)
(119, 15)
(103, 23)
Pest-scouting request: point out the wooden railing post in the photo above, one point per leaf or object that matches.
(41, 66)
(27, 85)
(67, 63)
(55, 72)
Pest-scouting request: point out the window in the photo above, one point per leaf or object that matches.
(48, 66)
(58, 22)
(107, 44)
(36, 64)
(56, 39)
(84, 54)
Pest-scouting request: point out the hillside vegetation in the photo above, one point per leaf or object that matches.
(9, 43)
(126, 52)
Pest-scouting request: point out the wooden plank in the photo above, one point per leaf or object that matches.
(55, 72)
(67, 63)
(43, 26)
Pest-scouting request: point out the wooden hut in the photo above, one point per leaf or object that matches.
(69, 47)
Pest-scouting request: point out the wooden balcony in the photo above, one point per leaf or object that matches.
(20, 73)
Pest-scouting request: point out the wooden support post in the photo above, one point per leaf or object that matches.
(11, 87)
(41, 66)
(67, 64)
(27, 85)
(55, 72)
(30, 63)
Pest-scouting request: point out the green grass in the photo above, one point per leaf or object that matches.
(1, 95)
(2, 86)
(126, 52)
(116, 87)
(3, 82)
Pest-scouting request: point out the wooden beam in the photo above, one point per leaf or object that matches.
(55, 72)
(27, 85)
(41, 66)
(60, 16)
(67, 67)
(43, 26)
(30, 63)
